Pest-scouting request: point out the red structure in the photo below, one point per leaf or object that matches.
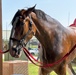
(74, 23)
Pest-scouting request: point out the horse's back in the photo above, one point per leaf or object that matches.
(72, 33)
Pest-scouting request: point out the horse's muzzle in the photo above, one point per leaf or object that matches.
(15, 52)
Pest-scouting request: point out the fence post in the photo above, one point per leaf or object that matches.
(1, 69)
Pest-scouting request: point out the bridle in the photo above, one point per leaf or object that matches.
(21, 43)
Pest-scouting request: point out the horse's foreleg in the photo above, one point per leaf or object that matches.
(43, 72)
(70, 70)
(61, 69)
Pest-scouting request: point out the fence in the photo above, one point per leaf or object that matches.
(15, 67)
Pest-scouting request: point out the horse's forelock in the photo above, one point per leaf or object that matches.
(16, 15)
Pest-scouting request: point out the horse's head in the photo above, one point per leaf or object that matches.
(22, 31)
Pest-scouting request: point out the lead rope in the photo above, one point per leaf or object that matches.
(40, 64)
(2, 52)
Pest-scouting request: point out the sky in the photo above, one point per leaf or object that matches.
(62, 10)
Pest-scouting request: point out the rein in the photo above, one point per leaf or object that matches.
(2, 52)
(41, 64)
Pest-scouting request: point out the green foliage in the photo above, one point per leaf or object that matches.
(33, 70)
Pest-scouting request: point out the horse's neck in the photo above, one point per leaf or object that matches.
(47, 28)
(45, 24)
(43, 32)
(39, 36)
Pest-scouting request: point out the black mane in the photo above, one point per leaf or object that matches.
(40, 14)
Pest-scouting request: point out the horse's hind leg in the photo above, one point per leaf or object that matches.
(43, 72)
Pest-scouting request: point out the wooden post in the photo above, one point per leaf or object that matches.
(1, 37)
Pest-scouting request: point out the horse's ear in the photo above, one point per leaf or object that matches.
(29, 10)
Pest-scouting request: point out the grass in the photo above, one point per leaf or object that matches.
(33, 70)
(74, 68)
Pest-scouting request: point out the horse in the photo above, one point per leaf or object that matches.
(56, 40)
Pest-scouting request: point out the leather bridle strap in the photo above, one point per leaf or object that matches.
(22, 39)
(14, 39)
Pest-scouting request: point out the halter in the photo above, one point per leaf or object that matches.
(21, 43)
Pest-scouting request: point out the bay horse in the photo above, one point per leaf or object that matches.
(56, 40)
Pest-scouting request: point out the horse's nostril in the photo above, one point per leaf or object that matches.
(14, 49)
